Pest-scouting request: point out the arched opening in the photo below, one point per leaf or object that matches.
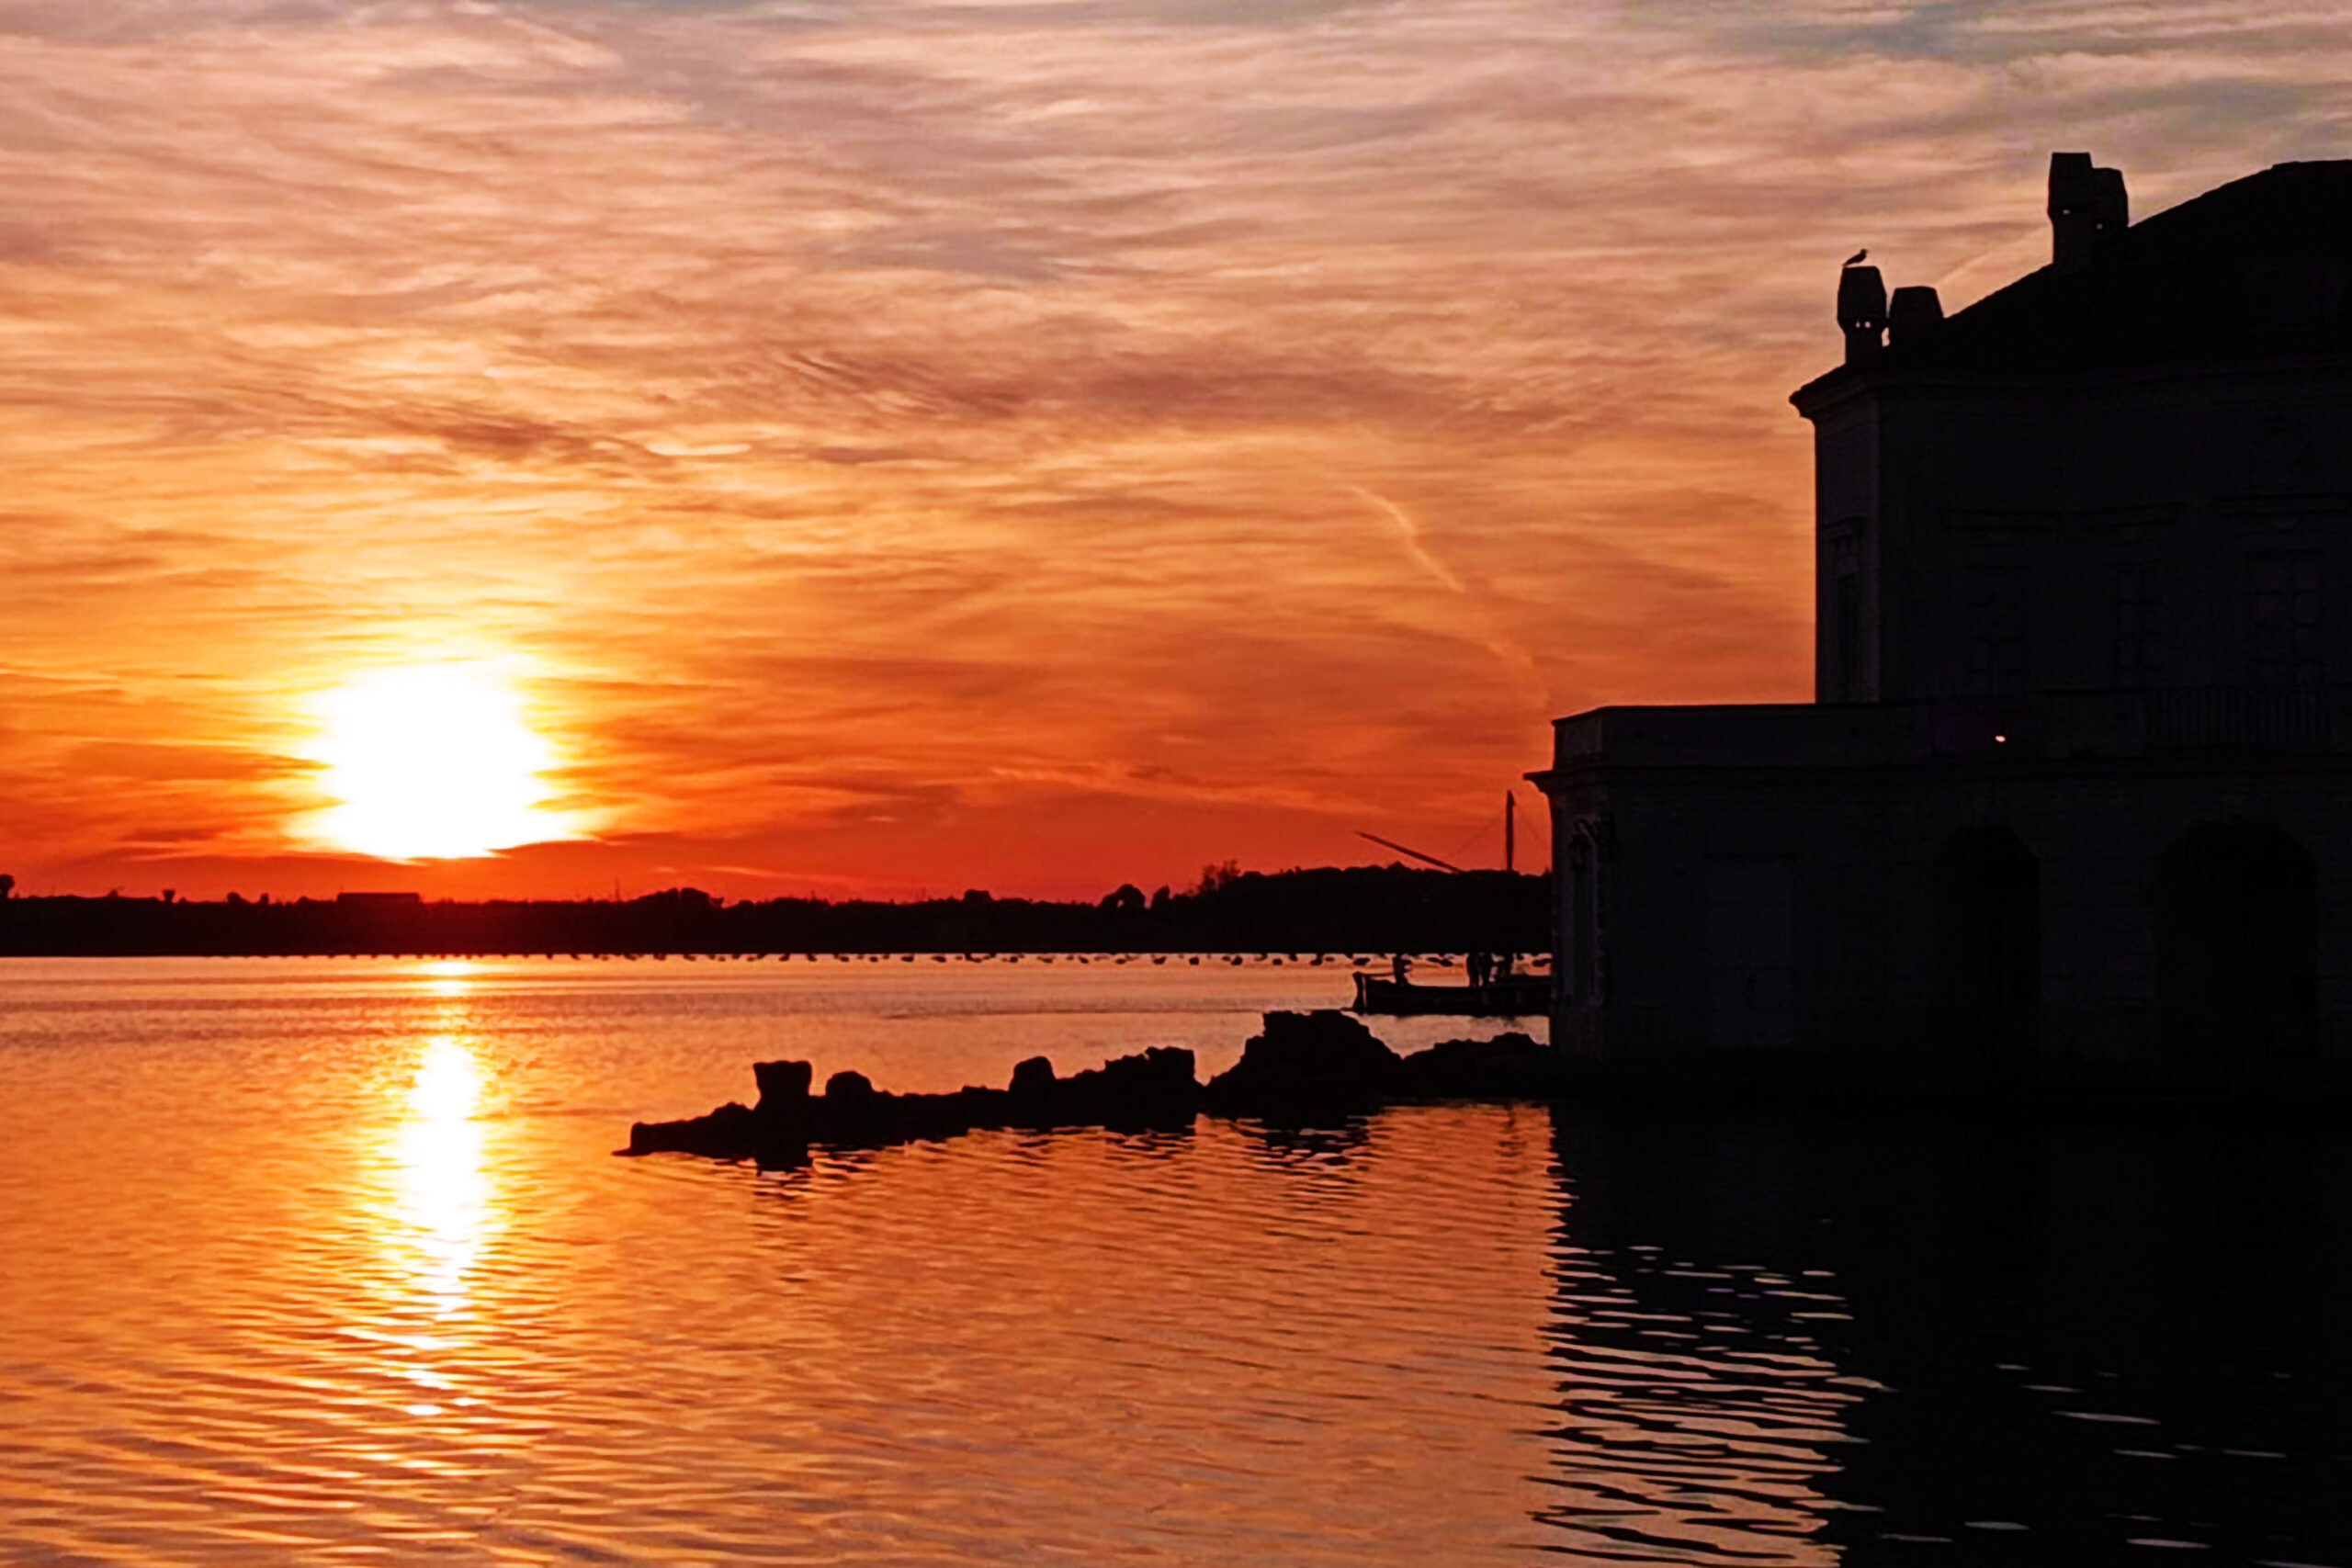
(1988, 941)
(1751, 932)
(2237, 943)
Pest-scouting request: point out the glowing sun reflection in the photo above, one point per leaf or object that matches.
(450, 978)
(445, 1199)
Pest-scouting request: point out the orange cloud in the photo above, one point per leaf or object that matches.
(965, 444)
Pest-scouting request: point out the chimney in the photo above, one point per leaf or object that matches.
(2114, 207)
(1916, 312)
(2088, 209)
(1861, 311)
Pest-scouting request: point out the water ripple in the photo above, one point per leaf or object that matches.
(319, 1263)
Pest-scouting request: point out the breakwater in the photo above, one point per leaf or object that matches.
(1301, 1066)
(1310, 1068)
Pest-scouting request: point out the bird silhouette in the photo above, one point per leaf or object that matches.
(1859, 256)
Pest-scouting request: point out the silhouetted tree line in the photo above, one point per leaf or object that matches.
(1361, 909)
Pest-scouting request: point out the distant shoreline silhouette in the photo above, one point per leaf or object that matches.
(1305, 913)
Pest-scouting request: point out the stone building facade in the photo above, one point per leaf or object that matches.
(2076, 787)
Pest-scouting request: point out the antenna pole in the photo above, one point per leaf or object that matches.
(1510, 831)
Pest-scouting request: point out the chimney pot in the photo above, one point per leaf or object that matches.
(1917, 310)
(2088, 208)
(2111, 208)
(1862, 311)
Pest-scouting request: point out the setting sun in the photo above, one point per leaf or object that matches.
(432, 761)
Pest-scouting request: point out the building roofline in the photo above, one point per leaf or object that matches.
(2188, 227)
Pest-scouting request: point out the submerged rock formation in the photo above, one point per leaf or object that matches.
(1302, 1067)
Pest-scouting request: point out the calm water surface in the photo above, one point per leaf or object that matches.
(329, 1261)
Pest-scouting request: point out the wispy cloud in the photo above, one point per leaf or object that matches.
(906, 435)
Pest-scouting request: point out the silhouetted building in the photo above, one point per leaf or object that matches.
(379, 900)
(2076, 787)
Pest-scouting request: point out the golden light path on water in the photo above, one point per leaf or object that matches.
(446, 1206)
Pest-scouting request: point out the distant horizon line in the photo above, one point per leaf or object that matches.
(12, 890)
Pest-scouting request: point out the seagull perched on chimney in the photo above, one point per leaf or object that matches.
(1859, 256)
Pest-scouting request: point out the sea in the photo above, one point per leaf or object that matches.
(332, 1261)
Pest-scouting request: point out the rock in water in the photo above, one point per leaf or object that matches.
(784, 1086)
(1510, 1066)
(1307, 1067)
(731, 1132)
(1154, 1089)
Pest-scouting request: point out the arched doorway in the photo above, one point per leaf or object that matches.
(2237, 943)
(1989, 942)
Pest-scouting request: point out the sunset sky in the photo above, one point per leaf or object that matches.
(889, 447)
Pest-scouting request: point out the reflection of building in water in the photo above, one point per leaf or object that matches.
(2072, 790)
(1868, 1340)
(1700, 1416)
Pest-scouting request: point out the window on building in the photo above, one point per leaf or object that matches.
(2139, 626)
(1994, 632)
(1845, 632)
(1842, 649)
(2284, 601)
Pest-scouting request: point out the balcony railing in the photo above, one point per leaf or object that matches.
(2267, 719)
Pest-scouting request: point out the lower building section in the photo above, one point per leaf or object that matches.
(1935, 893)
